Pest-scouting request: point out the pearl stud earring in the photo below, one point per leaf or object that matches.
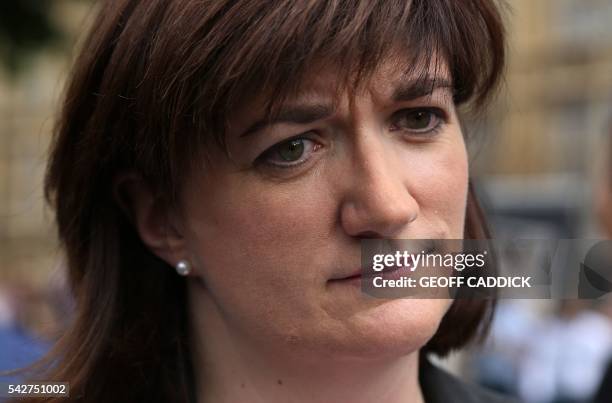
(183, 268)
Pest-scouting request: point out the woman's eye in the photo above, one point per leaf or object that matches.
(289, 153)
(417, 120)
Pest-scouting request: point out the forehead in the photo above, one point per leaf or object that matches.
(331, 79)
(330, 82)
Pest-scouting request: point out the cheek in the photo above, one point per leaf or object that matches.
(254, 244)
(247, 219)
(258, 215)
(439, 184)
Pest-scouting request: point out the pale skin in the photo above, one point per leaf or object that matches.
(273, 319)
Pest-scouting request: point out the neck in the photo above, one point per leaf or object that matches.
(228, 369)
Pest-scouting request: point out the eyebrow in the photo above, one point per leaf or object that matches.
(415, 89)
(303, 114)
(300, 114)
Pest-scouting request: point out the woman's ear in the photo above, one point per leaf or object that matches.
(150, 217)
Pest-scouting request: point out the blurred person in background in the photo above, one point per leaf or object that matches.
(603, 192)
(566, 354)
(604, 214)
(563, 357)
(604, 391)
(19, 347)
(552, 359)
(497, 364)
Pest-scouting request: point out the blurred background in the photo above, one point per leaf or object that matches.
(541, 168)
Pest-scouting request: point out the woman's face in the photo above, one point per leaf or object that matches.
(274, 229)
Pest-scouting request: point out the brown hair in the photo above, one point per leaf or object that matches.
(151, 87)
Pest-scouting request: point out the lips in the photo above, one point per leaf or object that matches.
(369, 272)
(359, 273)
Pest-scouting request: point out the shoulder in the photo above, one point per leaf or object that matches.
(439, 386)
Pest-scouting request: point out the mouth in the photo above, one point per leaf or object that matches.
(388, 272)
(369, 273)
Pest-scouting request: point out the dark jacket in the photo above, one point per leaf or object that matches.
(439, 386)
(604, 394)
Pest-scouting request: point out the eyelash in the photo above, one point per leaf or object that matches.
(438, 114)
(263, 159)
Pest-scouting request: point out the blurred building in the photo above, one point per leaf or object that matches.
(546, 128)
(544, 136)
(28, 104)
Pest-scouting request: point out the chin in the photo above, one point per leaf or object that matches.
(392, 329)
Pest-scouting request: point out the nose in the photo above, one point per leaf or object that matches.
(378, 202)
